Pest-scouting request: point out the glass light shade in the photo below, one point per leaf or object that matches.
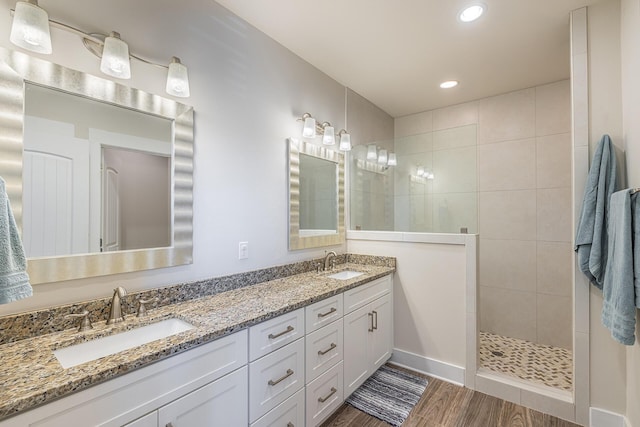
(178, 79)
(115, 57)
(392, 160)
(30, 28)
(382, 157)
(345, 142)
(309, 129)
(372, 152)
(420, 171)
(328, 138)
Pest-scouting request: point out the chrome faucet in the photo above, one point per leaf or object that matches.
(327, 258)
(115, 314)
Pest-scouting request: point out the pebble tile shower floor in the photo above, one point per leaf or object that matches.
(542, 364)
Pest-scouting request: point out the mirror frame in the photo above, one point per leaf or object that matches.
(15, 69)
(296, 242)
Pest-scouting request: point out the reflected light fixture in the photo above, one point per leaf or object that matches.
(372, 152)
(472, 12)
(392, 160)
(421, 172)
(115, 57)
(382, 157)
(328, 137)
(30, 28)
(345, 140)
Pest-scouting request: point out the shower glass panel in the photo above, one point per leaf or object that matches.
(433, 187)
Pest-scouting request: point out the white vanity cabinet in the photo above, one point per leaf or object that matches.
(368, 331)
(199, 384)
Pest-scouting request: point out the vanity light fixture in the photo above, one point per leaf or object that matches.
(328, 137)
(309, 129)
(372, 152)
(31, 31)
(345, 140)
(30, 28)
(115, 57)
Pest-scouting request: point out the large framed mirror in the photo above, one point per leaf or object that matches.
(100, 175)
(316, 196)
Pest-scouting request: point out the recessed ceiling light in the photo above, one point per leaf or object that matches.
(472, 12)
(449, 84)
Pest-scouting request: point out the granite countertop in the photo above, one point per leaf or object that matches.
(31, 375)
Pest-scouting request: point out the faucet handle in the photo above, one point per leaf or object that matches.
(142, 309)
(85, 321)
(333, 263)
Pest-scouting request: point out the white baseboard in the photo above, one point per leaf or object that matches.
(603, 418)
(434, 368)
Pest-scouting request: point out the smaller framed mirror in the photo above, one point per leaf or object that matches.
(316, 196)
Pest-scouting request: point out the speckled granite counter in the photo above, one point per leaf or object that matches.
(31, 375)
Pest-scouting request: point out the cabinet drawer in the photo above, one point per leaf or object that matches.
(362, 295)
(323, 312)
(324, 348)
(324, 395)
(290, 413)
(275, 333)
(274, 378)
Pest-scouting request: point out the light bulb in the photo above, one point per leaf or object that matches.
(471, 13)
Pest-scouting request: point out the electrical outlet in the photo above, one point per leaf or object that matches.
(243, 250)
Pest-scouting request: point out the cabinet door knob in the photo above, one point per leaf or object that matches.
(286, 331)
(290, 424)
(282, 378)
(169, 425)
(324, 399)
(331, 347)
(375, 316)
(333, 310)
(371, 319)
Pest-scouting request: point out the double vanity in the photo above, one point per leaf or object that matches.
(282, 352)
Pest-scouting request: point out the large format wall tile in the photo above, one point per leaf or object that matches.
(508, 264)
(554, 268)
(455, 116)
(452, 211)
(554, 214)
(554, 320)
(508, 214)
(414, 143)
(508, 312)
(553, 108)
(464, 136)
(507, 117)
(507, 165)
(455, 170)
(553, 161)
(413, 124)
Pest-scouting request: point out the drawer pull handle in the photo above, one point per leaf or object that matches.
(375, 316)
(333, 310)
(371, 318)
(290, 424)
(324, 399)
(169, 424)
(321, 353)
(286, 331)
(282, 378)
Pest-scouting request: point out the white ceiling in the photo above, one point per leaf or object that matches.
(396, 52)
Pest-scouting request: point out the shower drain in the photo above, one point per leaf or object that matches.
(497, 353)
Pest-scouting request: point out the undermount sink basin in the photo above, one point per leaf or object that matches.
(91, 350)
(345, 275)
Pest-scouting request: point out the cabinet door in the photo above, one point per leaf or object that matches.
(381, 340)
(357, 329)
(221, 403)
(149, 420)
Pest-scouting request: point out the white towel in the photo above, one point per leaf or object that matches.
(14, 281)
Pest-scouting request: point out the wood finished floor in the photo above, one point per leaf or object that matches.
(448, 405)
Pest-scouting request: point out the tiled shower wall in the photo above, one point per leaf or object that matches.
(524, 207)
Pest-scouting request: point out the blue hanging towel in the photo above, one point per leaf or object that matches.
(14, 281)
(620, 281)
(591, 235)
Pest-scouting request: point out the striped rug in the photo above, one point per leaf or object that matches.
(389, 395)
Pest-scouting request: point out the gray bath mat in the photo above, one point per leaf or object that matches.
(389, 395)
